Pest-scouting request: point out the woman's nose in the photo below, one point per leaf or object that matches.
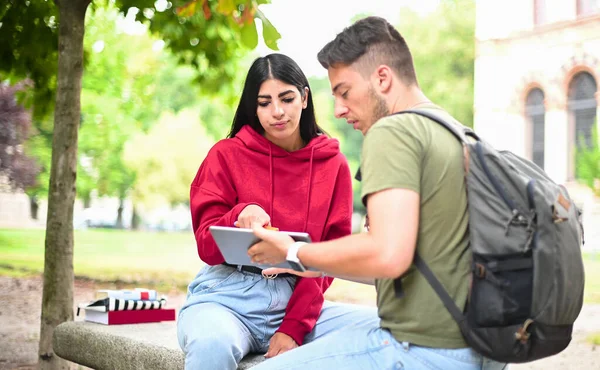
(277, 110)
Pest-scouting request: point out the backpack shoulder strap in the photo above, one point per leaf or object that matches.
(433, 281)
(459, 131)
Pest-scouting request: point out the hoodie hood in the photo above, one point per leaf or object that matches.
(319, 148)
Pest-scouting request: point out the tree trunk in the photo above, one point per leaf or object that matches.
(87, 201)
(119, 224)
(34, 206)
(135, 219)
(57, 297)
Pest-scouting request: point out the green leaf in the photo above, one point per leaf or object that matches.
(249, 35)
(187, 10)
(226, 7)
(270, 33)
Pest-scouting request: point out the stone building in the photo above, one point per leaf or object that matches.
(537, 70)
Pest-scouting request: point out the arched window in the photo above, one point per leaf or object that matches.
(582, 108)
(535, 112)
(588, 7)
(539, 12)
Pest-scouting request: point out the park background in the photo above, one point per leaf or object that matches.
(157, 94)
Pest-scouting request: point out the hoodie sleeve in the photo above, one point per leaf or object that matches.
(212, 202)
(305, 304)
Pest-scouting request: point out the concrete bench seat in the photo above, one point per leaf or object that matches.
(125, 347)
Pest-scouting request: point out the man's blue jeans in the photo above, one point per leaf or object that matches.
(367, 346)
(230, 313)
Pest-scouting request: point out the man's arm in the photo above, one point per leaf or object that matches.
(386, 251)
(361, 280)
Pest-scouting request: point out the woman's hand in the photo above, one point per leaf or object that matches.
(251, 214)
(278, 270)
(279, 344)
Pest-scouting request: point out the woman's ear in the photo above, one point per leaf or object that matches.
(305, 98)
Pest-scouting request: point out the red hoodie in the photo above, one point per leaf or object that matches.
(307, 190)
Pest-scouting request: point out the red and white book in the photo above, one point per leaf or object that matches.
(130, 316)
(115, 304)
(137, 294)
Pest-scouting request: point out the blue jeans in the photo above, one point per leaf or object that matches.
(230, 313)
(368, 346)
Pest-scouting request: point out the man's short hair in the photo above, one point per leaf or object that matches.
(370, 42)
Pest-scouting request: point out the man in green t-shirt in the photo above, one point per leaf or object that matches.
(414, 191)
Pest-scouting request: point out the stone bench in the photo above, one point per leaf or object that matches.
(127, 347)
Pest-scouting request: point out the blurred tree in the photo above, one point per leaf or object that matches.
(443, 47)
(588, 162)
(34, 32)
(138, 84)
(167, 158)
(39, 147)
(350, 139)
(15, 167)
(216, 116)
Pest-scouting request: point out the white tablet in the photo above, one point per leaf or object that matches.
(234, 242)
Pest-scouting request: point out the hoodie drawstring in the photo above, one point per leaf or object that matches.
(271, 183)
(308, 191)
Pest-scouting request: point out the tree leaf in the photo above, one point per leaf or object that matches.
(187, 10)
(270, 33)
(226, 7)
(248, 15)
(249, 35)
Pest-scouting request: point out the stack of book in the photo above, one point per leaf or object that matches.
(114, 307)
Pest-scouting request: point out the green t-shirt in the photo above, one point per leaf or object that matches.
(407, 151)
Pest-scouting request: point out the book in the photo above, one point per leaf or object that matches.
(136, 294)
(130, 316)
(114, 304)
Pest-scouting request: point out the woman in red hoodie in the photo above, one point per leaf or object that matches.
(279, 168)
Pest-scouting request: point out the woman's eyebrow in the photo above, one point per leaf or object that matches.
(280, 94)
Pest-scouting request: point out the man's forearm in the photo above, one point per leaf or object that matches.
(352, 256)
(360, 280)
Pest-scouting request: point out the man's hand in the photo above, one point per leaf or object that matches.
(279, 344)
(251, 214)
(273, 247)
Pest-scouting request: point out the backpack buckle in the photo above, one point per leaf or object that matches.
(522, 334)
(480, 270)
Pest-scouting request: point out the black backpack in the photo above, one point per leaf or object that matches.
(527, 266)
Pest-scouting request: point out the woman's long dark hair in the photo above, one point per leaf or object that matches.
(278, 67)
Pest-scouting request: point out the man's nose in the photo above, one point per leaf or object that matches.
(340, 110)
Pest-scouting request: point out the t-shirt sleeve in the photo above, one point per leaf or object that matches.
(391, 159)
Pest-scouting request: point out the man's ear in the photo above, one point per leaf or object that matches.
(305, 98)
(383, 77)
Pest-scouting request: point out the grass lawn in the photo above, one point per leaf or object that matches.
(108, 255)
(592, 277)
(164, 259)
(594, 339)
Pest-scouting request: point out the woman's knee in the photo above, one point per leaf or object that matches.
(211, 353)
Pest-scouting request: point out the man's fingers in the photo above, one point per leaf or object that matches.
(260, 231)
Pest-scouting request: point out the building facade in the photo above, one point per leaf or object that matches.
(537, 72)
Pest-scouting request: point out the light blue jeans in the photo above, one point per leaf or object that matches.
(368, 346)
(230, 313)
